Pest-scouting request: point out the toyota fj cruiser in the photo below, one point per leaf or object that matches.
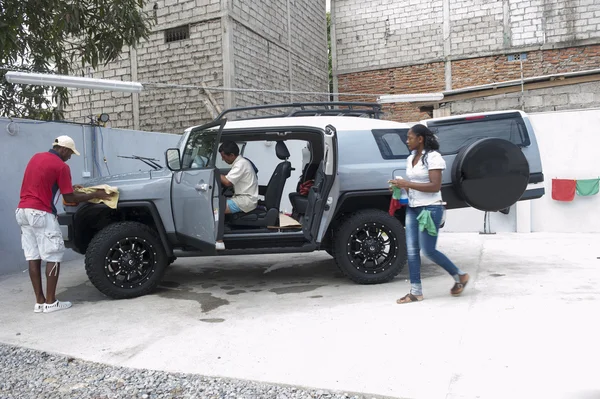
(492, 159)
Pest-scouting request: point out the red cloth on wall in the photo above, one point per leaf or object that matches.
(563, 189)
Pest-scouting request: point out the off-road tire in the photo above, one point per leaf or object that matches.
(96, 258)
(344, 242)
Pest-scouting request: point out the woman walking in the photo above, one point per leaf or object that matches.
(425, 210)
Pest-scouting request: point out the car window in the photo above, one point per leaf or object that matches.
(456, 134)
(392, 143)
(199, 150)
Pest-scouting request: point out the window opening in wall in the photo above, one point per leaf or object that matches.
(517, 57)
(177, 34)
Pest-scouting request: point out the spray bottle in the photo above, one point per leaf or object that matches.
(399, 194)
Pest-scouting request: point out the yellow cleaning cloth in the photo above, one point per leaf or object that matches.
(111, 203)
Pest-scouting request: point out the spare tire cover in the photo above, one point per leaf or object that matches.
(491, 174)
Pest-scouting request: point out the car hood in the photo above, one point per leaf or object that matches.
(136, 186)
(125, 179)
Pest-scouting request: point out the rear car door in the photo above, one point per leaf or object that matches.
(323, 195)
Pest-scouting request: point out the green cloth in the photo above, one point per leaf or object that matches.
(396, 192)
(588, 187)
(426, 222)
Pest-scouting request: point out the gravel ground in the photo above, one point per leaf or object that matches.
(25, 373)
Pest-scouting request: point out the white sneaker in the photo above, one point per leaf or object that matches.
(56, 306)
(220, 246)
(38, 308)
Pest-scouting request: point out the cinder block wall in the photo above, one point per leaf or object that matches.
(277, 45)
(408, 46)
(185, 62)
(280, 45)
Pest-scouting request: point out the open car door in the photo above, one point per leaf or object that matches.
(323, 195)
(195, 191)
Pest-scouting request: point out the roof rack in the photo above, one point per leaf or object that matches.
(369, 110)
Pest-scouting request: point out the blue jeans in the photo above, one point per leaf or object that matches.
(421, 240)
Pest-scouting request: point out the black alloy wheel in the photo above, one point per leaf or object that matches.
(130, 262)
(369, 246)
(126, 260)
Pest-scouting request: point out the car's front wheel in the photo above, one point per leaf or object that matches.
(125, 260)
(370, 247)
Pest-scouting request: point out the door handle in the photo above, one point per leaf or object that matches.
(201, 187)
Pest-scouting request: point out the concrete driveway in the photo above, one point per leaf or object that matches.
(526, 325)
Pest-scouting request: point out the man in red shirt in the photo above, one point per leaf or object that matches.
(41, 238)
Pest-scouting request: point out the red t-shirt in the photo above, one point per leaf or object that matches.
(46, 173)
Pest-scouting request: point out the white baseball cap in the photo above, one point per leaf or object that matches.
(67, 142)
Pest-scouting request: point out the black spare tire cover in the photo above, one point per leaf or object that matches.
(491, 174)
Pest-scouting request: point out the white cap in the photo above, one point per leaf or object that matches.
(67, 142)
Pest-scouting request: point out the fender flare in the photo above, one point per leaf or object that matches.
(147, 205)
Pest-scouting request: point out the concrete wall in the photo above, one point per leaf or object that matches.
(569, 143)
(576, 96)
(378, 34)
(31, 137)
(186, 62)
(408, 46)
(278, 45)
(373, 34)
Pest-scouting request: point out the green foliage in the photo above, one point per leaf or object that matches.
(58, 36)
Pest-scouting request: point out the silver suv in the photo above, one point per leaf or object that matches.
(492, 159)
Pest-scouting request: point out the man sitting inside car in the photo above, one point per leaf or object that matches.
(242, 177)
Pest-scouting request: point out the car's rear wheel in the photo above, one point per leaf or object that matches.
(125, 260)
(370, 247)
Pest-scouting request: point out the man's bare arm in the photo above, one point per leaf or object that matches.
(225, 182)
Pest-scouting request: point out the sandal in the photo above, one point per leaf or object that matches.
(410, 298)
(460, 287)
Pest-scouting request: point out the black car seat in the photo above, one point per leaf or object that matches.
(268, 213)
(298, 201)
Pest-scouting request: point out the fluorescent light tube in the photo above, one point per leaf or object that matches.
(409, 98)
(42, 79)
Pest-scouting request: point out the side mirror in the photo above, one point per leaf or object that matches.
(173, 157)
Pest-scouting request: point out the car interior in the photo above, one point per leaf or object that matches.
(266, 217)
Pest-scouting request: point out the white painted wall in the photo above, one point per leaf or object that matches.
(469, 220)
(569, 142)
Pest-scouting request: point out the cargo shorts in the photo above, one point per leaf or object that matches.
(41, 237)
